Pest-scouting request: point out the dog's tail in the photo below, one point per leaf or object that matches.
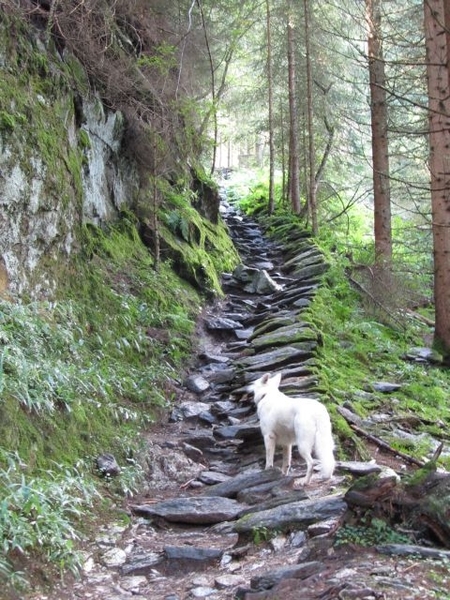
(324, 446)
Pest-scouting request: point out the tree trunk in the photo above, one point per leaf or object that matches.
(380, 148)
(421, 502)
(312, 187)
(436, 16)
(271, 206)
(294, 161)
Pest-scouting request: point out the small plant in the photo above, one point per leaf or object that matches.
(178, 224)
(262, 534)
(7, 121)
(372, 534)
(37, 515)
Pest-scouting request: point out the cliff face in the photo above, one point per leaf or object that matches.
(60, 160)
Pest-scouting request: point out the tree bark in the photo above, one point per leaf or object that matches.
(312, 186)
(271, 206)
(436, 17)
(380, 144)
(421, 502)
(294, 161)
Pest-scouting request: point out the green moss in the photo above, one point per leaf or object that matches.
(84, 374)
(84, 140)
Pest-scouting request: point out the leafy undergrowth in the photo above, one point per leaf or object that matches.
(81, 376)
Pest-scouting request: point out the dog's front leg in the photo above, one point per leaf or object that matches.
(269, 443)
(287, 454)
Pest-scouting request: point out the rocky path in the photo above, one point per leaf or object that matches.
(211, 523)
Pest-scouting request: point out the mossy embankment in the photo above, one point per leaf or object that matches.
(369, 334)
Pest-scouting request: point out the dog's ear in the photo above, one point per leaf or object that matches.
(276, 380)
(265, 378)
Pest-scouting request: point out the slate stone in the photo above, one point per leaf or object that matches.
(275, 323)
(231, 487)
(218, 373)
(188, 410)
(203, 592)
(142, 564)
(202, 439)
(199, 510)
(223, 407)
(243, 334)
(244, 431)
(222, 324)
(274, 359)
(192, 554)
(227, 581)
(385, 387)
(292, 301)
(302, 303)
(412, 550)
(264, 264)
(262, 283)
(271, 494)
(423, 354)
(207, 417)
(212, 477)
(107, 465)
(296, 386)
(311, 271)
(196, 384)
(244, 273)
(272, 578)
(284, 335)
(296, 514)
(309, 257)
(263, 505)
(357, 468)
(214, 358)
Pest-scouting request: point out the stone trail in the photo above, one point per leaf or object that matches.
(211, 522)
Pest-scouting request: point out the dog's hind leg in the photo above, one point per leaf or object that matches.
(287, 455)
(269, 443)
(305, 452)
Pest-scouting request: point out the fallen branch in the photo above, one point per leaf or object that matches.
(420, 317)
(385, 446)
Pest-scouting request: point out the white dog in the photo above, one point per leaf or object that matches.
(285, 421)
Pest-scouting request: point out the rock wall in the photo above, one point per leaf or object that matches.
(60, 164)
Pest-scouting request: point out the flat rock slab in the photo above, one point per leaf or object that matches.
(275, 358)
(222, 324)
(212, 477)
(284, 335)
(204, 510)
(277, 500)
(241, 432)
(300, 571)
(142, 564)
(412, 550)
(271, 324)
(385, 387)
(358, 468)
(234, 485)
(295, 514)
(192, 553)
